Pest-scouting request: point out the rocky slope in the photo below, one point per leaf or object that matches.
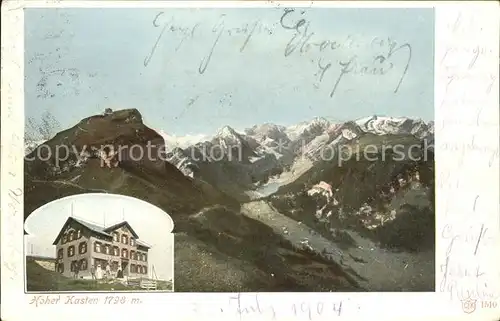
(384, 192)
(384, 202)
(245, 161)
(373, 213)
(218, 247)
(70, 162)
(232, 161)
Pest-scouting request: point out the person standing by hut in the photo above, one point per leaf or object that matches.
(108, 270)
(98, 272)
(77, 269)
(120, 273)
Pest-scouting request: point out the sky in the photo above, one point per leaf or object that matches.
(80, 61)
(45, 223)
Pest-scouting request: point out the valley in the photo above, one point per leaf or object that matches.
(263, 209)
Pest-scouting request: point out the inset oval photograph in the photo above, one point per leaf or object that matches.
(99, 242)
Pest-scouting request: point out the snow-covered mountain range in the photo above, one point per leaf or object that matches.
(391, 125)
(271, 135)
(248, 158)
(264, 151)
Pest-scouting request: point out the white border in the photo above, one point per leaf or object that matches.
(467, 181)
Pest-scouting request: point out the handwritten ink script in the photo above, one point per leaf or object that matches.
(254, 305)
(14, 203)
(42, 300)
(219, 30)
(61, 81)
(58, 77)
(470, 234)
(304, 41)
(338, 59)
(461, 278)
(12, 153)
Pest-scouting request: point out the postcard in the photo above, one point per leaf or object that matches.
(251, 160)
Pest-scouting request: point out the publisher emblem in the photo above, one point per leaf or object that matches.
(469, 305)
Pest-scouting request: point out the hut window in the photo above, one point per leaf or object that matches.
(71, 250)
(82, 248)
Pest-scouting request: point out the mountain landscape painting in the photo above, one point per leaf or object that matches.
(292, 147)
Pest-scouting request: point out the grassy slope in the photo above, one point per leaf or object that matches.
(41, 279)
(212, 255)
(359, 181)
